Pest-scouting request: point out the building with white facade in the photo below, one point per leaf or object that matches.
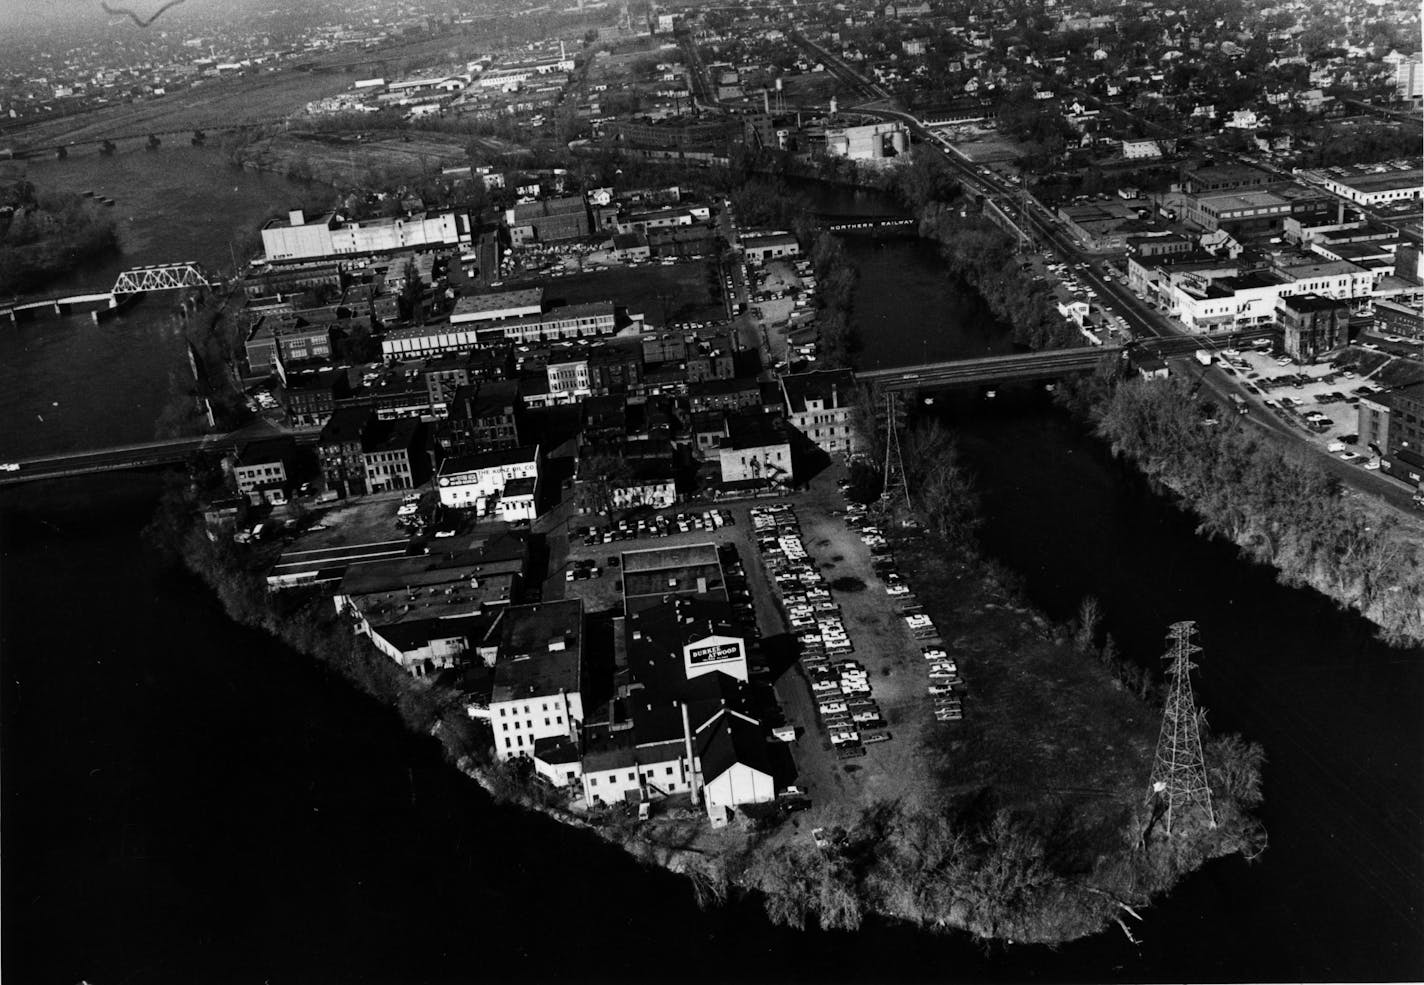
(505, 480)
(872, 142)
(295, 238)
(575, 321)
(1373, 185)
(756, 448)
(819, 405)
(537, 691)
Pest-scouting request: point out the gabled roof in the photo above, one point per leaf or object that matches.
(727, 740)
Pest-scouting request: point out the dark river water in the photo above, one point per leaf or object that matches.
(186, 800)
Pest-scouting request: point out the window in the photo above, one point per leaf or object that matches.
(669, 771)
(559, 719)
(546, 720)
(504, 727)
(520, 740)
(593, 781)
(506, 743)
(632, 777)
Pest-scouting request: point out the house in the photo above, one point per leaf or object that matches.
(819, 404)
(339, 450)
(392, 456)
(538, 676)
(479, 482)
(1148, 366)
(757, 448)
(1313, 325)
(263, 470)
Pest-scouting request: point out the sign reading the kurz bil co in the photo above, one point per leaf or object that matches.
(712, 654)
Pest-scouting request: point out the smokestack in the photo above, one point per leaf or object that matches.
(833, 105)
(766, 101)
(692, 780)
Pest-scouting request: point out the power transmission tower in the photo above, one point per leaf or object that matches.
(895, 485)
(1179, 780)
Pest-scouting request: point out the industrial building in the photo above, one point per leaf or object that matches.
(295, 238)
(872, 142)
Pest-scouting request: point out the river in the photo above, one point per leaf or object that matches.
(205, 805)
(67, 383)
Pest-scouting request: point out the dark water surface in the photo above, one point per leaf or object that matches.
(186, 800)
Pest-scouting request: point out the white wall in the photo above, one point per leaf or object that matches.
(739, 785)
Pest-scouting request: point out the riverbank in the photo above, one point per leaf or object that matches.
(1029, 838)
(1279, 508)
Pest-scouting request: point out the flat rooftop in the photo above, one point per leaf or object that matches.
(472, 304)
(540, 650)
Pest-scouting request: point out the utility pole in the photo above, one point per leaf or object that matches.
(1179, 781)
(895, 484)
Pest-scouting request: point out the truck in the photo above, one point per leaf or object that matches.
(1239, 403)
(1204, 357)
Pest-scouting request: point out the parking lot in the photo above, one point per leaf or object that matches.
(1321, 400)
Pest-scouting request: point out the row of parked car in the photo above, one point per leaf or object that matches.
(840, 685)
(946, 687)
(657, 525)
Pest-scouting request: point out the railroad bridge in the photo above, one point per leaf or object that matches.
(130, 284)
(1016, 368)
(879, 224)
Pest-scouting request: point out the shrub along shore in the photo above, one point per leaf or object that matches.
(1276, 504)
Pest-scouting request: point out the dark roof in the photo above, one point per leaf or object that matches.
(397, 435)
(489, 459)
(730, 739)
(1311, 302)
(833, 386)
(755, 430)
(346, 425)
(540, 649)
(266, 450)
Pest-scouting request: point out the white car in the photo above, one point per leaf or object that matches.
(9, 466)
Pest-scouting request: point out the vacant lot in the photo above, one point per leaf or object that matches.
(254, 98)
(337, 157)
(686, 291)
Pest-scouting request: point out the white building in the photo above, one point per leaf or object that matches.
(733, 764)
(1136, 150)
(294, 238)
(538, 669)
(506, 480)
(1374, 185)
(819, 405)
(867, 143)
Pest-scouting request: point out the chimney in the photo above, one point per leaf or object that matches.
(693, 785)
(296, 218)
(766, 101)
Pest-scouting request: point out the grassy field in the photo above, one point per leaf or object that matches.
(686, 291)
(233, 100)
(340, 157)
